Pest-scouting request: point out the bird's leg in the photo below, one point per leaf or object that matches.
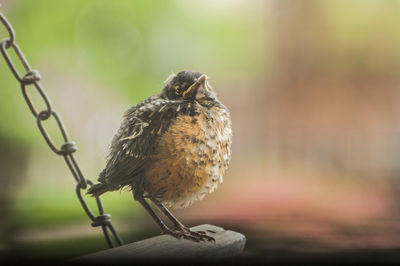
(178, 225)
(161, 224)
(176, 222)
(147, 207)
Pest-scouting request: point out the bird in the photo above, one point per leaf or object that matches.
(171, 149)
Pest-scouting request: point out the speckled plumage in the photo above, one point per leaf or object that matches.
(173, 147)
(193, 156)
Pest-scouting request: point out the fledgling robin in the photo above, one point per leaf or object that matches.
(172, 148)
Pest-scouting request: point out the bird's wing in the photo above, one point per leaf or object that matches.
(136, 141)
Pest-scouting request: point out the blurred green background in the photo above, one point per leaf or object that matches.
(313, 89)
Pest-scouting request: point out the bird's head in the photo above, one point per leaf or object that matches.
(188, 85)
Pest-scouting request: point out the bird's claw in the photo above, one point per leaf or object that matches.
(186, 233)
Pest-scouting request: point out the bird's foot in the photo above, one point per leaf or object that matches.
(186, 233)
(201, 234)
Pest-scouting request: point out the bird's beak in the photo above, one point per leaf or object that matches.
(200, 82)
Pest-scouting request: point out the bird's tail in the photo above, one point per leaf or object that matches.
(97, 189)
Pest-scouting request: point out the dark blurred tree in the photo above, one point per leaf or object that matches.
(13, 165)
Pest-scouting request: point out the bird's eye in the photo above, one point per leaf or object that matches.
(178, 91)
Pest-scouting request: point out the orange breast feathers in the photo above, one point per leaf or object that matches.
(191, 159)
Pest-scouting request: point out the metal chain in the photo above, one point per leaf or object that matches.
(32, 78)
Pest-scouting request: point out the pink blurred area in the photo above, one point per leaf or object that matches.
(296, 203)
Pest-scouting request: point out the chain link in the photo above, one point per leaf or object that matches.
(32, 77)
